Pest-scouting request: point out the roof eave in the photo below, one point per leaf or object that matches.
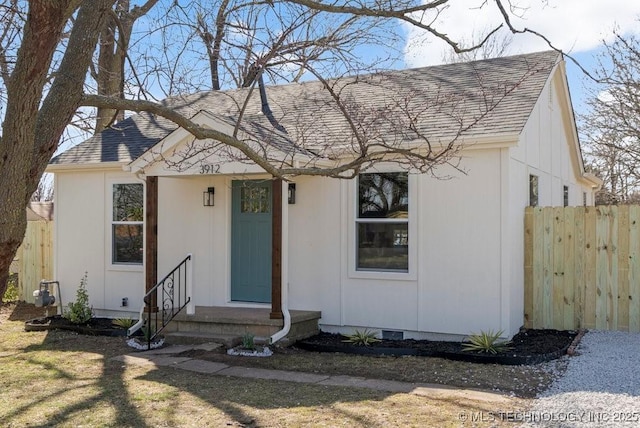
(53, 168)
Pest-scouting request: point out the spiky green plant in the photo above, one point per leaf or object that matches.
(248, 341)
(123, 322)
(486, 342)
(361, 338)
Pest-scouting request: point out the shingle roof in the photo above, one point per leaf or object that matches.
(490, 97)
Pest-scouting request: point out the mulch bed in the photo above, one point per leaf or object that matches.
(95, 326)
(527, 347)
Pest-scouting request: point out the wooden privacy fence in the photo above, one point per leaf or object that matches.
(582, 268)
(34, 259)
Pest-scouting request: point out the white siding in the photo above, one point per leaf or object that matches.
(83, 242)
(546, 149)
(454, 286)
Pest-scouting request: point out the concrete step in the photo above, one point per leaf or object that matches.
(196, 337)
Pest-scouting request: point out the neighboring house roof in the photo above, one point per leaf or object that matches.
(477, 99)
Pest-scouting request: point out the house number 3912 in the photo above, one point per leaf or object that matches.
(208, 168)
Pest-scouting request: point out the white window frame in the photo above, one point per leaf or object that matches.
(412, 220)
(127, 267)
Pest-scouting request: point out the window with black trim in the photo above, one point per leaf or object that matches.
(382, 222)
(565, 195)
(127, 224)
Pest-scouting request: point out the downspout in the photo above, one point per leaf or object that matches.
(285, 268)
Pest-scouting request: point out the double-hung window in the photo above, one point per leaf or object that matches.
(127, 224)
(382, 222)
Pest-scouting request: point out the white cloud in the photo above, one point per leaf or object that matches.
(571, 25)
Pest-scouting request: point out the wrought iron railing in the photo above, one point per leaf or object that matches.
(165, 300)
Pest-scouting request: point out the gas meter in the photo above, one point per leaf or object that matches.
(43, 296)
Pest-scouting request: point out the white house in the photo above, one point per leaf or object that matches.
(391, 250)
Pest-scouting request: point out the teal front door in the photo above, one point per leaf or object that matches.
(251, 241)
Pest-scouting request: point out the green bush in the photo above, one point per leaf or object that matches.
(488, 342)
(11, 293)
(361, 338)
(80, 312)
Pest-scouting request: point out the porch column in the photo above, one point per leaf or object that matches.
(276, 252)
(151, 236)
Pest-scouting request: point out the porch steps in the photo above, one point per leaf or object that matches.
(196, 338)
(227, 325)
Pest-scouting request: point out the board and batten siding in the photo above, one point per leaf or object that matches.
(582, 268)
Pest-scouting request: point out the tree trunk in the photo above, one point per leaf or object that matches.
(32, 126)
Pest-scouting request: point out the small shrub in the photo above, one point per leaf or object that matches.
(487, 342)
(248, 341)
(123, 322)
(80, 312)
(361, 338)
(11, 293)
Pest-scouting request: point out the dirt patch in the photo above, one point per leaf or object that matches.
(21, 311)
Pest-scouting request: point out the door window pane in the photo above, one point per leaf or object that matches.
(255, 199)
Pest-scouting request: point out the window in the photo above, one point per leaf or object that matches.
(255, 199)
(127, 224)
(533, 190)
(382, 222)
(584, 199)
(565, 195)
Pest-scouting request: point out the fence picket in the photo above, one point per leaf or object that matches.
(582, 267)
(35, 257)
(634, 268)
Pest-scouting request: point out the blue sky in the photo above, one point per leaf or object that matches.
(575, 26)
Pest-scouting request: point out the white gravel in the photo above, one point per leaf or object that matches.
(600, 388)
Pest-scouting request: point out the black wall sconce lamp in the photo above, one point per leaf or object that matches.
(207, 197)
(292, 193)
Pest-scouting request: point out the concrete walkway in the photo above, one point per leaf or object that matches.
(167, 357)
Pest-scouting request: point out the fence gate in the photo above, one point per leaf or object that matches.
(582, 267)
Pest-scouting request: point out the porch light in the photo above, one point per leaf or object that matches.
(207, 197)
(292, 193)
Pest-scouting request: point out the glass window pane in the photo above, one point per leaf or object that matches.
(533, 190)
(255, 199)
(127, 243)
(128, 202)
(383, 246)
(383, 195)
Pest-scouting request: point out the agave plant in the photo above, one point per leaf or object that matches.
(488, 342)
(123, 322)
(361, 338)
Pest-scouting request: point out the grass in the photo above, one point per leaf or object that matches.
(59, 378)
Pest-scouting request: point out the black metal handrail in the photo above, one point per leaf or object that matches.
(165, 300)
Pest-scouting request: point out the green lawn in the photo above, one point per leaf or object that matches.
(64, 379)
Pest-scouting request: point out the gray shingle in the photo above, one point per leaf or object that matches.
(491, 97)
